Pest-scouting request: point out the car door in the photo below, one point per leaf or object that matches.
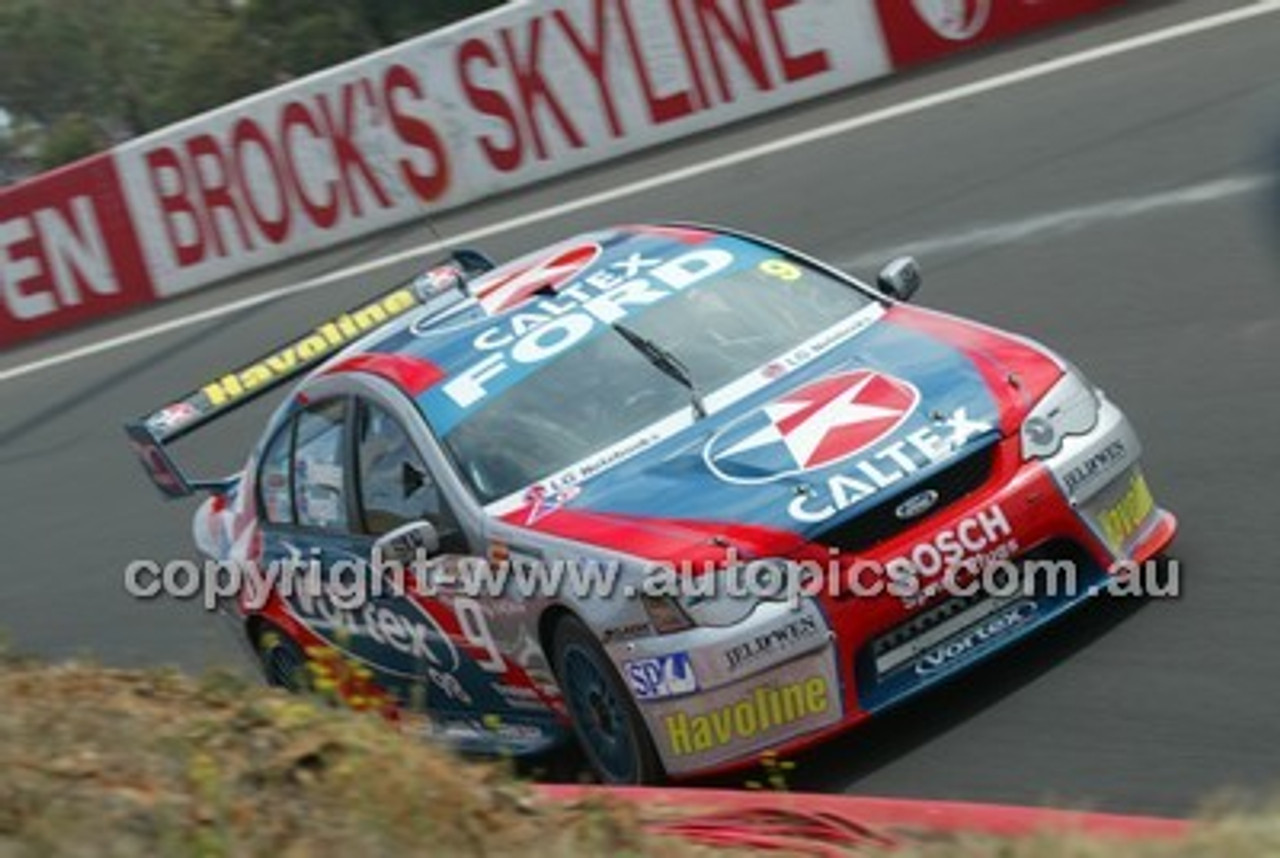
(341, 473)
(485, 690)
(313, 528)
(395, 488)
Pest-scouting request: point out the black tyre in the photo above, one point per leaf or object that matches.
(605, 718)
(284, 664)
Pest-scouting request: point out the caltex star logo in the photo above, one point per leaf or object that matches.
(509, 290)
(543, 501)
(816, 426)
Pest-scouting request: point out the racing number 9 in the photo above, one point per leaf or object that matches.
(476, 631)
(782, 269)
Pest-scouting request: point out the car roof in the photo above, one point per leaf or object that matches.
(422, 348)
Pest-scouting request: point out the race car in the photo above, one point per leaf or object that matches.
(687, 495)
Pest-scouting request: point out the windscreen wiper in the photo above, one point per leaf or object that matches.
(665, 362)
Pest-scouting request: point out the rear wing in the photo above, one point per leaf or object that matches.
(439, 287)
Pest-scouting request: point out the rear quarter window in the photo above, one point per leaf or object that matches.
(319, 469)
(273, 478)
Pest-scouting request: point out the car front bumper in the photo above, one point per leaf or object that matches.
(785, 678)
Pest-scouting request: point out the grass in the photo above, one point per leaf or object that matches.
(109, 762)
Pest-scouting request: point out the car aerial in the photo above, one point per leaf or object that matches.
(683, 407)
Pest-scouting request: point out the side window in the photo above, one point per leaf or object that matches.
(319, 474)
(273, 478)
(395, 485)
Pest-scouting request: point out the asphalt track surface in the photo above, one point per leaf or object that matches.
(1123, 211)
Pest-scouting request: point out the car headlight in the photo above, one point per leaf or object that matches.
(665, 614)
(719, 610)
(723, 597)
(1069, 408)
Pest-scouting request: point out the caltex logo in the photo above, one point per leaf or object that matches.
(509, 290)
(543, 501)
(814, 427)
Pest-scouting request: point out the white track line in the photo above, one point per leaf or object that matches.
(671, 177)
(1067, 220)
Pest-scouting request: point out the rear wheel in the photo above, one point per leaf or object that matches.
(605, 718)
(284, 664)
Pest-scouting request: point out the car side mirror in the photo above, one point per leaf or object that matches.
(407, 542)
(900, 279)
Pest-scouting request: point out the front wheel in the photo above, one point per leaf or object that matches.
(605, 718)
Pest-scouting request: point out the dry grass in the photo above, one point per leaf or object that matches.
(103, 762)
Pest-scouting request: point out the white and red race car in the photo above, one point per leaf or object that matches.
(715, 498)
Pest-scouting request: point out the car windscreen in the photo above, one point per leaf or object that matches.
(604, 390)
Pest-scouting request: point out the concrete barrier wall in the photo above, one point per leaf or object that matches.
(524, 93)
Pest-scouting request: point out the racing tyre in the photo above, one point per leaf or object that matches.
(605, 718)
(284, 664)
